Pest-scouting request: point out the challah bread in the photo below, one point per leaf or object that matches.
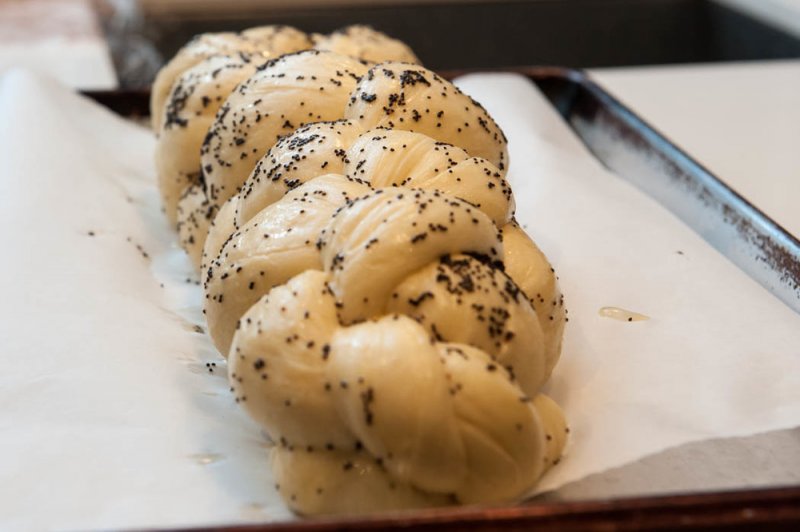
(385, 319)
(191, 107)
(365, 43)
(422, 410)
(266, 41)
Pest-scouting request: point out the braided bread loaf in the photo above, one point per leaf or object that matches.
(293, 90)
(385, 319)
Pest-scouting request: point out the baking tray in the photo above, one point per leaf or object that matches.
(636, 152)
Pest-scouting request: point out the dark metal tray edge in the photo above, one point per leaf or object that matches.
(773, 509)
(752, 240)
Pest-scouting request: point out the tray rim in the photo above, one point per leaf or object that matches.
(774, 508)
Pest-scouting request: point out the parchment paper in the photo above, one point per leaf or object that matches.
(110, 417)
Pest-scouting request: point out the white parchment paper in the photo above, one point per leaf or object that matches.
(110, 417)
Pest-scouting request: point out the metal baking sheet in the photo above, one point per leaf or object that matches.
(634, 151)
